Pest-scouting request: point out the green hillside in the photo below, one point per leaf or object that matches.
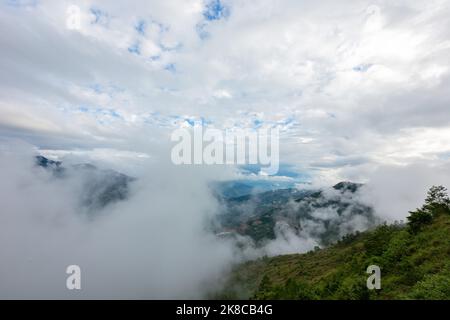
(414, 259)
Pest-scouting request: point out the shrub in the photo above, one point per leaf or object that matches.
(418, 219)
(353, 288)
(434, 287)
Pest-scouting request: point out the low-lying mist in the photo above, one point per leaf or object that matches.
(157, 242)
(153, 245)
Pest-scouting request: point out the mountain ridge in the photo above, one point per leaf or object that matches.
(100, 187)
(411, 262)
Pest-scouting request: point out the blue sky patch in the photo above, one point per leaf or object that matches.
(140, 27)
(100, 16)
(215, 10)
(257, 123)
(134, 49)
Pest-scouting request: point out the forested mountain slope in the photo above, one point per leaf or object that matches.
(414, 259)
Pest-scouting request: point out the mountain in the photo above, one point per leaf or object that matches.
(325, 215)
(257, 209)
(414, 265)
(247, 187)
(99, 187)
(54, 166)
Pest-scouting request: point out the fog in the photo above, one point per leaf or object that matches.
(157, 243)
(394, 190)
(154, 245)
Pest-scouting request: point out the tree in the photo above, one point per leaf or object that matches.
(266, 290)
(297, 290)
(437, 200)
(418, 219)
(436, 287)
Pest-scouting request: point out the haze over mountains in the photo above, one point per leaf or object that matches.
(150, 225)
(323, 216)
(100, 187)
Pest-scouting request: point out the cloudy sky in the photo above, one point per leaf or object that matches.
(351, 85)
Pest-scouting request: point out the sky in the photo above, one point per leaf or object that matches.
(352, 86)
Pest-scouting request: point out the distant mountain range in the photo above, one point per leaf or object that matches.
(246, 187)
(253, 208)
(325, 215)
(99, 187)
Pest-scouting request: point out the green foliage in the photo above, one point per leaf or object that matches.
(395, 251)
(435, 287)
(349, 238)
(292, 290)
(437, 198)
(377, 241)
(418, 219)
(265, 290)
(436, 203)
(353, 288)
(414, 265)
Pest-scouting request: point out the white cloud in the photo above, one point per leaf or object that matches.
(154, 245)
(346, 73)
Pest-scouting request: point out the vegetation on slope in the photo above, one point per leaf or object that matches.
(414, 259)
(325, 214)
